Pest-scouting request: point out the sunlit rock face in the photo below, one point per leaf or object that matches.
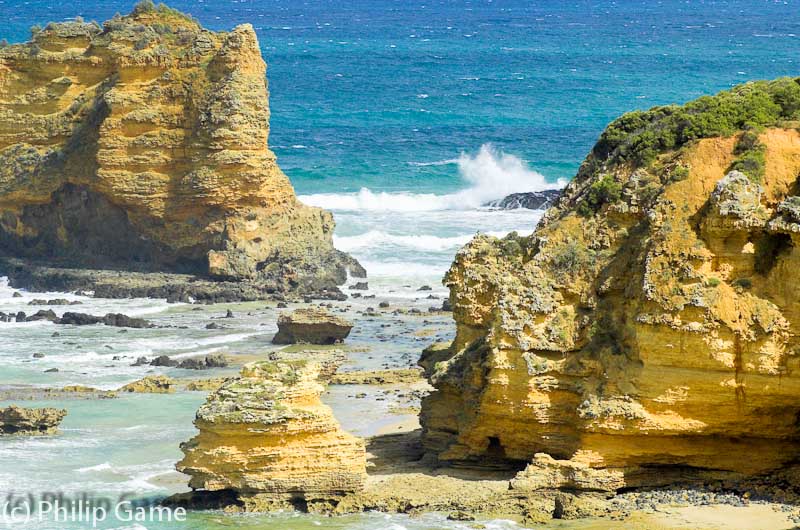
(647, 330)
(267, 439)
(142, 144)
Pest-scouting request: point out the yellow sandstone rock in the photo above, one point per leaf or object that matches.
(268, 438)
(152, 384)
(654, 330)
(144, 144)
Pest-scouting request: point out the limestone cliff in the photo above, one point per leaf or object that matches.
(267, 439)
(142, 144)
(648, 328)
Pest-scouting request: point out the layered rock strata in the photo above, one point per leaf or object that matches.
(646, 333)
(267, 440)
(142, 144)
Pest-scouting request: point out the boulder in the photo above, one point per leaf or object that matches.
(311, 326)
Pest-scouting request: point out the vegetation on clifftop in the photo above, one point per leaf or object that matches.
(638, 137)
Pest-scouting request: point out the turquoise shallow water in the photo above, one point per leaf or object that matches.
(402, 117)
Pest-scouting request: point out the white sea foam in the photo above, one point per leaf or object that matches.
(491, 175)
(428, 243)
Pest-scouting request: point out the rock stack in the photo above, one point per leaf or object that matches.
(267, 440)
(142, 144)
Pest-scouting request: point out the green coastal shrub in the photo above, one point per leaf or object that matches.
(571, 257)
(679, 173)
(752, 163)
(143, 6)
(638, 137)
(602, 191)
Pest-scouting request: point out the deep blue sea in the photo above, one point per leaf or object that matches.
(404, 116)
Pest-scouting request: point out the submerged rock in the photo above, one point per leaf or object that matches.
(267, 438)
(311, 326)
(18, 420)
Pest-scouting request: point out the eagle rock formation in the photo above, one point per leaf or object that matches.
(647, 331)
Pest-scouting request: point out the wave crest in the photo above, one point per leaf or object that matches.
(491, 175)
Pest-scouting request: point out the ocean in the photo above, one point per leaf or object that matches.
(403, 118)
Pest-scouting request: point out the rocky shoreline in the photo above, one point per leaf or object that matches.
(118, 284)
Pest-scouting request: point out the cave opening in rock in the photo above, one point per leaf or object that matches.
(769, 248)
(495, 449)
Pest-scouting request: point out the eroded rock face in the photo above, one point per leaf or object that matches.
(143, 144)
(644, 334)
(267, 438)
(17, 420)
(311, 326)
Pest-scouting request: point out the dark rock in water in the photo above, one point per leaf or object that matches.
(217, 360)
(447, 305)
(383, 305)
(311, 326)
(42, 314)
(213, 325)
(141, 361)
(176, 297)
(54, 301)
(111, 319)
(16, 295)
(21, 316)
(124, 321)
(38, 356)
(51, 371)
(229, 314)
(360, 286)
(533, 200)
(162, 360)
(425, 288)
(17, 420)
(79, 319)
(282, 305)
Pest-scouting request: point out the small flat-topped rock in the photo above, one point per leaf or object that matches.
(311, 326)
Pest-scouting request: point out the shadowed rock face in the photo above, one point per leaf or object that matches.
(143, 145)
(644, 334)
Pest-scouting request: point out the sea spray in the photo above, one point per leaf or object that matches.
(490, 174)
